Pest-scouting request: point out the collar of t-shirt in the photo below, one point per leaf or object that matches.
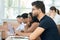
(42, 18)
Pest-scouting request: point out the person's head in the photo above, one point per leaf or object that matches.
(52, 9)
(38, 7)
(5, 25)
(19, 18)
(25, 17)
(30, 16)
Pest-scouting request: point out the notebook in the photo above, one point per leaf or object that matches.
(19, 38)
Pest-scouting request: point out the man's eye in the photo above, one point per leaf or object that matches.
(33, 9)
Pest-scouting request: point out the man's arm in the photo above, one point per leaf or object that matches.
(36, 33)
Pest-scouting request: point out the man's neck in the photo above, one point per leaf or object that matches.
(40, 16)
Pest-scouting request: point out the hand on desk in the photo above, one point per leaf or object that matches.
(19, 33)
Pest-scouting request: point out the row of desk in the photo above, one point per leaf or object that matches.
(2, 34)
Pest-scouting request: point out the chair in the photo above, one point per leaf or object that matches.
(58, 26)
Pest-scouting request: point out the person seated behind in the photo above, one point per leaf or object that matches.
(54, 15)
(30, 24)
(33, 23)
(23, 19)
(20, 21)
(32, 18)
(9, 30)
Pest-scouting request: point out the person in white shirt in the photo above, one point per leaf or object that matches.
(23, 20)
(20, 21)
(54, 15)
(8, 30)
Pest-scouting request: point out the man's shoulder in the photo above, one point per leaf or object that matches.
(47, 19)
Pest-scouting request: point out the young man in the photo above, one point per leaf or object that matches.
(47, 29)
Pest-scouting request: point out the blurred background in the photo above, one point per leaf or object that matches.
(9, 9)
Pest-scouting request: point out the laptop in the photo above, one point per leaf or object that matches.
(19, 38)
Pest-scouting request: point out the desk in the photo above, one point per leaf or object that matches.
(22, 36)
(1, 31)
(17, 38)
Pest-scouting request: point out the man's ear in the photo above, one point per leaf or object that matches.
(39, 10)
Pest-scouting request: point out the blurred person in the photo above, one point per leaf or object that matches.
(28, 19)
(8, 29)
(25, 18)
(47, 28)
(21, 23)
(33, 18)
(21, 26)
(25, 21)
(30, 24)
(54, 15)
(33, 23)
(5, 29)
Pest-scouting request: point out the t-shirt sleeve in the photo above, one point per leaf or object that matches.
(44, 25)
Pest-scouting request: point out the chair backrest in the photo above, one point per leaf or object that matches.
(1, 32)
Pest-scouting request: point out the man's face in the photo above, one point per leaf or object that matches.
(19, 20)
(35, 11)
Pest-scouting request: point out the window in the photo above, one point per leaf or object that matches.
(17, 7)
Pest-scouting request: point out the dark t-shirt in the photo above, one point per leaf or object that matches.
(51, 32)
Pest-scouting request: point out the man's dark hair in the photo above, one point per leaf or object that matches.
(25, 15)
(19, 16)
(39, 5)
(53, 8)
